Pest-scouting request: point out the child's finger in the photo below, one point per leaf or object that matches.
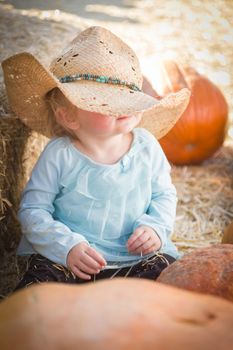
(135, 235)
(86, 268)
(151, 249)
(79, 273)
(147, 246)
(96, 256)
(140, 241)
(90, 262)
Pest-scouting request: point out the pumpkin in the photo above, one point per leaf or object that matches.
(119, 314)
(228, 234)
(205, 270)
(201, 129)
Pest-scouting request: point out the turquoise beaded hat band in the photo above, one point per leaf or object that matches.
(99, 79)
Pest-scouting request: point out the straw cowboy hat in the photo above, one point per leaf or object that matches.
(97, 72)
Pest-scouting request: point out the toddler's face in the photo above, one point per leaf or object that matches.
(99, 124)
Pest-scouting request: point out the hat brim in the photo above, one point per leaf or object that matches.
(28, 81)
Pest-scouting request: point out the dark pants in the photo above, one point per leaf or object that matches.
(41, 269)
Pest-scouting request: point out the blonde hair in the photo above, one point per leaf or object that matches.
(55, 98)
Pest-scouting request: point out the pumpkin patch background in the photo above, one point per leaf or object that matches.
(196, 34)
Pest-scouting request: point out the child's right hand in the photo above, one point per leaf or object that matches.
(83, 258)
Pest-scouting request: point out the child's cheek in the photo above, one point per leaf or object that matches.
(103, 122)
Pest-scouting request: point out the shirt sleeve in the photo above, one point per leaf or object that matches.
(161, 212)
(49, 237)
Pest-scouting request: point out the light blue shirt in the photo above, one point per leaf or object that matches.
(70, 199)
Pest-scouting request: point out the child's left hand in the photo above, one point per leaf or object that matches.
(144, 240)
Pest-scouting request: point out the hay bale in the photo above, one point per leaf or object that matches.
(205, 205)
(19, 149)
(13, 138)
(30, 31)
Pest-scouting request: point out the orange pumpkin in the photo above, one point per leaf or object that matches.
(201, 130)
(205, 270)
(119, 314)
(228, 234)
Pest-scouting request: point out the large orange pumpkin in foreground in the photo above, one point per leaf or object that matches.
(118, 314)
(201, 130)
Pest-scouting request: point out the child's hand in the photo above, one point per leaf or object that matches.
(143, 240)
(82, 258)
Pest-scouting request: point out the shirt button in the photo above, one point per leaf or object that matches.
(125, 163)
